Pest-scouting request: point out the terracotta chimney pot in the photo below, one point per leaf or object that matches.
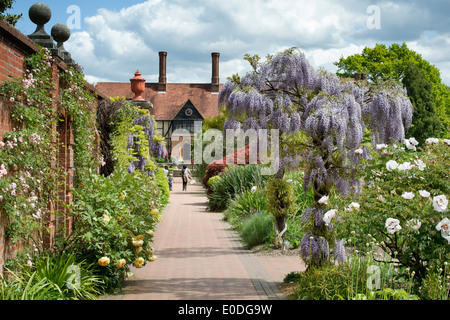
(138, 86)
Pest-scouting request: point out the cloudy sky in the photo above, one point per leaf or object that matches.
(112, 39)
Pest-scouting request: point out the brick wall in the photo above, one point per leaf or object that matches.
(14, 47)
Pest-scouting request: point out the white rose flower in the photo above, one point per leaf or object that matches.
(444, 227)
(424, 193)
(405, 166)
(392, 225)
(359, 151)
(413, 141)
(329, 215)
(409, 145)
(432, 141)
(391, 165)
(447, 142)
(415, 224)
(420, 164)
(254, 188)
(440, 203)
(353, 206)
(323, 200)
(381, 146)
(408, 195)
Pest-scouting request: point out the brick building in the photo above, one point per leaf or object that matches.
(174, 105)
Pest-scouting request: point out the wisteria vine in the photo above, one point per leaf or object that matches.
(330, 115)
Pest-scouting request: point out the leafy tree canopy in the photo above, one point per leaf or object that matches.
(431, 97)
(10, 18)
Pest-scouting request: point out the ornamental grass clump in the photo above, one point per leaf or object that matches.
(257, 230)
(231, 183)
(249, 203)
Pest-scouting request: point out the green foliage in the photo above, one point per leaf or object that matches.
(29, 151)
(257, 230)
(281, 197)
(382, 63)
(115, 218)
(244, 206)
(52, 278)
(436, 284)
(330, 283)
(10, 18)
(427, 122)
(122, 125)
(303, 199)
(80, 106)
(163, 186)
(234, 181)
(360, 278)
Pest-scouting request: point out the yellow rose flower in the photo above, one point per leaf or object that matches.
(140, 237)
(138, 250)
(139, 262)
(137, 243)
(106, 218)
(151, 250)
(103, 261)
(150, 232)
(154, 212)
(121, 263)
(152, 258)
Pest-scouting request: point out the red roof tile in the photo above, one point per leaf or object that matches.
(166, 105)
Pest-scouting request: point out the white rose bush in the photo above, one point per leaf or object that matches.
(403, 205)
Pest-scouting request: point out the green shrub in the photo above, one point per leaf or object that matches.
(163, 185)
(114, 218)
(233, 182)
(257, 230)
(436, 284)
(392, 196)
(326, 283)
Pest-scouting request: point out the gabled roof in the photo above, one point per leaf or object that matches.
(183, 115)
(166, 105)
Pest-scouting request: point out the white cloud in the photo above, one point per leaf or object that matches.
(116, 43)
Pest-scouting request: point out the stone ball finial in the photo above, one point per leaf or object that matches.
(40, 13)
(60, 32)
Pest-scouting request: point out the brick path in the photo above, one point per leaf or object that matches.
(200, 258)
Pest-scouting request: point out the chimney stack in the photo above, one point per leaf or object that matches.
(215, 72)
(162, 85)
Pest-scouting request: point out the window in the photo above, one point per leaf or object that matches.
(184, 124)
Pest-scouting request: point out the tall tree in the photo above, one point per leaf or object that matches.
(10, 18)
(420, 91)
(321, 119)
(396, 62)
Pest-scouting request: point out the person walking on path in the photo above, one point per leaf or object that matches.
(170, 181)
(185, 176)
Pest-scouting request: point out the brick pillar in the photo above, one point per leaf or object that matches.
(215, 72)
(162, 85)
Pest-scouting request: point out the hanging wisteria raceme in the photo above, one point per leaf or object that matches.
(156, 149)
(389, 113)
